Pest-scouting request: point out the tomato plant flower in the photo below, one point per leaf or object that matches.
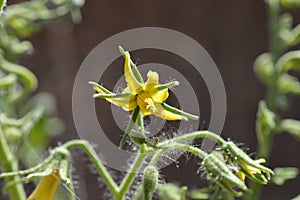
(150, 96)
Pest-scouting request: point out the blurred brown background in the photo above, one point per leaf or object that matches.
(233, 32)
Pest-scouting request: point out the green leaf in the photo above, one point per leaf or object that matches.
(281, 175)
(266, 122)
(291, 126)
(2, 5)
(289, 61)
(288, 84)
(297, 197)
(290, 36)
(263, 68)
(290, 3)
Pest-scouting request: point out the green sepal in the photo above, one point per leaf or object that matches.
(167, 85)
(2, 5)
(185, 116)
(113, 95)
(134, 69)
(96, 85)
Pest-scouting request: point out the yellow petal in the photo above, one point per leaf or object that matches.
(162, 113)
(46, 188)
(152, 81)
(159, 96)
(127, 103)
(133, 84)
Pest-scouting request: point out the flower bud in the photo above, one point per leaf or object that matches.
(150, 179)
(251, 168)
(217, 171)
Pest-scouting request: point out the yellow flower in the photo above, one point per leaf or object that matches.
(47, 187)
(252, 171)
(149, 97)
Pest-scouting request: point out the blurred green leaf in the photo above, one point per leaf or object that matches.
(199, 194)
(263, 68)
(290, 3)
(266, 122)
(291, 126)
(289, 61)
(297, 197)
(281, 175)
(170, 191)
(289, 85)
(290, 36)
(2, 4)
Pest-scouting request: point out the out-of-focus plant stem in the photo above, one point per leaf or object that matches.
(272, 90)
(10, 164)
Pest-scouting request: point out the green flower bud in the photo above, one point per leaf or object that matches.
(150, 179)
(218, 171)
(249, 167)
(170, 191)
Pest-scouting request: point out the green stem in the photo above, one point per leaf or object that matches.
(10, 164)
(130, 126)
(96, 161)
(275, 50)
(128, 179)
(194, 150)
(192, 136)
(272, 91)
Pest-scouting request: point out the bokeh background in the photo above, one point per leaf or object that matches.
(233, 32)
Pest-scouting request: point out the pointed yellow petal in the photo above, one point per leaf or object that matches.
(159, 96)
(152, 81)
(162, 113)
(46, 188)
(133, 84)
(144, 111)
(127, 103)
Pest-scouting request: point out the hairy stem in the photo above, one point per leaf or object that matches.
(192, 136)
(128, 179)
(10, 164)
(96, 161)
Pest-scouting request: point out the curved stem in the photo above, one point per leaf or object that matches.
(192, 136)
(194, 150)
(96, 161)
